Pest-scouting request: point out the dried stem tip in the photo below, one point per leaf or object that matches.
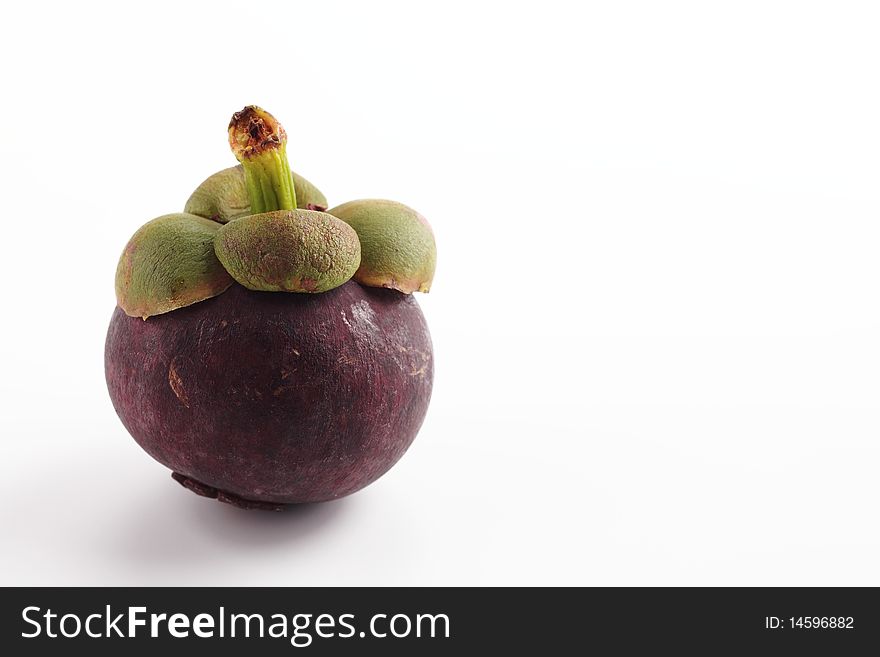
(253, 131)
(260, 144)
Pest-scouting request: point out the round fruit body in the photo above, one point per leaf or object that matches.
(264, 399)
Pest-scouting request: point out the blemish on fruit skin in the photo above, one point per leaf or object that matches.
(363, 320)
(177, 385)
(423, 369)
(363, 315)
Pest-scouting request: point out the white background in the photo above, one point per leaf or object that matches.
(655, 312)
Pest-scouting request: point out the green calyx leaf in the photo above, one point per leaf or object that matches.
(397, 244)
(224, 196)
(169, 263)
(289, 251)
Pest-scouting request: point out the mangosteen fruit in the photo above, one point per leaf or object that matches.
(266, 352)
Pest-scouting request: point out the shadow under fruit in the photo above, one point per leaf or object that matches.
(304, 393)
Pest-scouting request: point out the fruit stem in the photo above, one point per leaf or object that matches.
(259, 142)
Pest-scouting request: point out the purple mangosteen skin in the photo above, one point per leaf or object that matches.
(263, 399)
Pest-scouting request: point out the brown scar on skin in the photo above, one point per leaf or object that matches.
(346, 360)
(423, 369)
(279, 391)
(177, 385)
